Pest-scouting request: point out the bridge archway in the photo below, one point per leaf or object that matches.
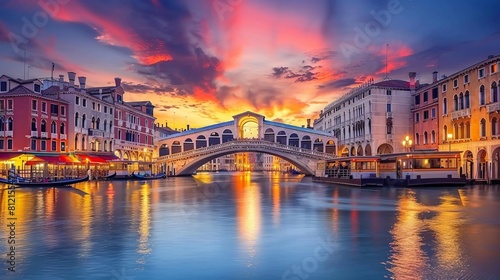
(245, 126)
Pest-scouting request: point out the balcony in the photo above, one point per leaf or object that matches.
(389, 137)
(120, 123)
(34, 134)
(9, 133)
(53, 135)
(63, 136)
(465, 113)
(388, 115)
(493, 107)
(44, 134)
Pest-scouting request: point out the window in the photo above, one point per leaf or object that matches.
(98, 107)
(388, 92)
(417, 117)
(10, 104)
(83, 121)
(37, 88)
(63, 146)
(389, 107)
(426, 96)
(445, 106)
(481, 73)
(461, 101)
(417, 139)
(493, 68)
(84, 103)
(9, 144)
(426, 138)
(467, 100)
(2, 144)
(33, 125)
(433, 113)
(43, 145)
(494, 126)
(105, 109)
(93, 105)
(444, 88)
(445, 132)
(34, 105)
(433, 137)
(54, 109)
(426, 115)
(111, 111)
(53, 128)
(77, 100)
(54, 145)
(62, 129)
(33, 144)
(63, 111)
(483, 128)
(466, 79)
(435, 93)
(482, 96)
(43, 126)
(2, 105)
(494, 92)
(455, 83)
(455, 103)
(76, 119)
(44, 107)
(3, 86)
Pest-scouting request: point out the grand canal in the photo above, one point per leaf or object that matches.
(251, 226)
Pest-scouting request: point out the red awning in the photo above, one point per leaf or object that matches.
(42, 159)
(109, 157)
(68, 159)
(91, 159)
(8, 155)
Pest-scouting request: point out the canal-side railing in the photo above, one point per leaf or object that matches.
(247, 144)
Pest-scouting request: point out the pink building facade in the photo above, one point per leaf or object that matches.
(425, 110)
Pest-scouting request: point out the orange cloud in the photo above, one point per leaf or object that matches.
(396, 54)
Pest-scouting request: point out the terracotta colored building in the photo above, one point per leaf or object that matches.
(425, 110)
(37, 123)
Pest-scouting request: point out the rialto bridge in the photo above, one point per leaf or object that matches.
(183, 153)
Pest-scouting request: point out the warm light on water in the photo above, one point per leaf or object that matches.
(252, 226)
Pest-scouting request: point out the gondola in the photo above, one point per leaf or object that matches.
(108, 177)
(60, 183)
(148, 177)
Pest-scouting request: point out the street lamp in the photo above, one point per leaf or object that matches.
(407, 143)
(449, 136)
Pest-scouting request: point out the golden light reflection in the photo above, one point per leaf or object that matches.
(408, 260)
(143, 246)
(446, 226)
(335, 213)
(248, 214)
(276, 199)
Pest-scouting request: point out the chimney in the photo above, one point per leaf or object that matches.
(434, 76)
(187, 127)
(166, 124)
(118, 81)
(412, 76)
(71, 78)
(82, 81)
(308, 123)
(61, 82)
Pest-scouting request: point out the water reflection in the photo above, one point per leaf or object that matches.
(143, 246)
(407, 258)
(248, 214)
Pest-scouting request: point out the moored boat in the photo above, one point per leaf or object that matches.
(26, 183)
(148, 177)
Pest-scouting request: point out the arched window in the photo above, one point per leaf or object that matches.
(461, 102)
(426, 138)
(98, 123)
(445, 106)
(43, 126)
(110, 126)
(53, 127)
(483, 128)
(10, 124)
(76, 142)
(76, 119)
(433, 137)
(455, 131)
(83, 121)
(482, 96)
(462, 131)
(455, 103)
(105, 125)
(494, 130)
(467, 130)
(445, 132)
(494, 92)
(33, 125)
(63, 129)
(467, 100)
(105, 146)
(92, 124)
(83, 143)
(417, 139)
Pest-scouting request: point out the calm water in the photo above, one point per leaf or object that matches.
(252, 226)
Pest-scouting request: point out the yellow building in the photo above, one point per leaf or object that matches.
(469, 113)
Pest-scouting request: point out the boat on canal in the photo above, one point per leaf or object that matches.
(22, 182)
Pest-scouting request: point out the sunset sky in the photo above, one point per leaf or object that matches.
(203, 61)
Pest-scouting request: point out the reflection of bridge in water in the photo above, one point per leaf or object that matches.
(303, 147)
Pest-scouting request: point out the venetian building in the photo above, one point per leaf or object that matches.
(469, 102)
